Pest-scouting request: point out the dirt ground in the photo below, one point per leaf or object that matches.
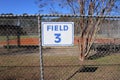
(35, 41)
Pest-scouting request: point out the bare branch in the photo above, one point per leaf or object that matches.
(88, 26)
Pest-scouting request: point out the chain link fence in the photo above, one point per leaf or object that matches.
(19, 50)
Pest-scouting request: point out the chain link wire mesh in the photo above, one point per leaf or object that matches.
(19, 51)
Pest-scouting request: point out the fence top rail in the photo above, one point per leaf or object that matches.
(60, 15)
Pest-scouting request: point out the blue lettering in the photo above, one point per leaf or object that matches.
(57, 37)
(65, 27)
(56, 27)
(61, 28)
(49, 27)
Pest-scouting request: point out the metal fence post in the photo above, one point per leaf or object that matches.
(40, 49)
(8, 45)
(18, 33)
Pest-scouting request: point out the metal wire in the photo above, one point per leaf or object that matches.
(61, 15)
(20, 50)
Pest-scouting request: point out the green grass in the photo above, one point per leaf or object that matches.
(3, 38)
(56, 67)
(111, 59)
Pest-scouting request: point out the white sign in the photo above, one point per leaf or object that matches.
(57, 33)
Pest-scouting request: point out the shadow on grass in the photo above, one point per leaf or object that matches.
(83, 69)
(21, 50)
(101, 54)
(14, 50)
(104, 50)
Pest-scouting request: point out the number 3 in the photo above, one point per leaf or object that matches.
(57, 37)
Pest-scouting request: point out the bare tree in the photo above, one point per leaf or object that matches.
(88, 26)
(58, 6)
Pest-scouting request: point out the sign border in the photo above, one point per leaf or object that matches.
(57, 44)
